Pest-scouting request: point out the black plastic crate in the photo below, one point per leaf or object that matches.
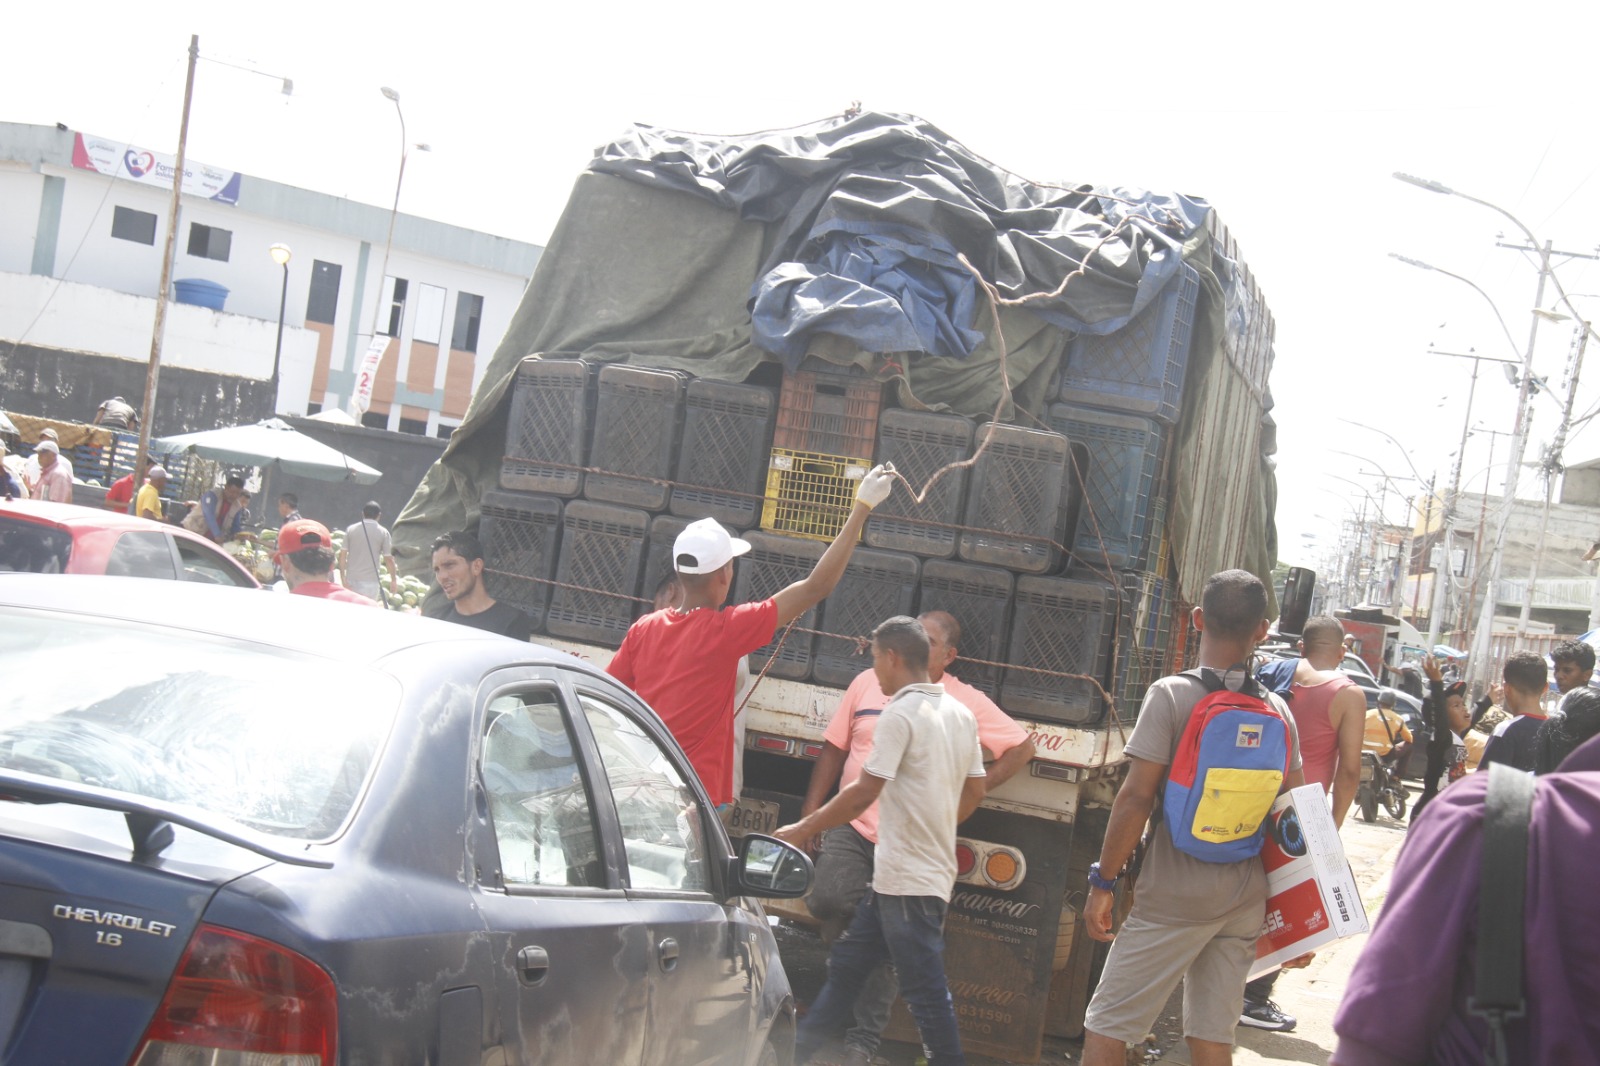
(1140, 367)
(664, 529)
(919, 443)
(722, 461)
(1145, 646)
(980, 599)
(520, 535)
(602, 549)
(1064, 625)
(636, 416)
(1119, 526)
(1021, 484)
(773, 563)
(876, 585)
(548, 427)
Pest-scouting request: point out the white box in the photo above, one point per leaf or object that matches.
(1312, 898)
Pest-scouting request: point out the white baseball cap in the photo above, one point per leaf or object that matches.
(708, 547)
(156, 472)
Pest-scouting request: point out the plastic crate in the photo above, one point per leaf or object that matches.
(602, 549)
(548, 427)
(1021, 484)
(1146, 649)
(520, 534)
(919, 443)
(980, 599)
(1140, 367)
(876, 585)
(664, 529)
(636, 417)
(810, 495)
(1065, 625)
(1118, 527)
(722, 462)
(774, 563)
(830, 410)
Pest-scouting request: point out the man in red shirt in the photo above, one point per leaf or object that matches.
(305, 552)
(119, 497)
(682, 660)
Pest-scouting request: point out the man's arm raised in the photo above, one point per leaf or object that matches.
(811, 590)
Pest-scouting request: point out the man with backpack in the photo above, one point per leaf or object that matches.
(1202, 890)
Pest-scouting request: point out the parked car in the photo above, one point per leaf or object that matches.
(277, 829)
(40, 537)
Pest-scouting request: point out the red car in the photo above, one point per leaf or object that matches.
(59, 538)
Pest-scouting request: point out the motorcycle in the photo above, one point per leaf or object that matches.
(1380, 785)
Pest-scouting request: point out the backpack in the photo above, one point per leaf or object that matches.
(1230, 764)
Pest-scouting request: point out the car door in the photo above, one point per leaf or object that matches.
(703, 991)
(573, 954)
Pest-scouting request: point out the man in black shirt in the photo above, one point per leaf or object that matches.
(1526, 679)
(458, 567)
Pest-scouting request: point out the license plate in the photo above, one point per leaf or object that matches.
(751, 816)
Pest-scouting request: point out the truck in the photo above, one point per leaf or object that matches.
(1074, 379)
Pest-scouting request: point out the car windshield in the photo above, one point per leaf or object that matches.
(273, 740)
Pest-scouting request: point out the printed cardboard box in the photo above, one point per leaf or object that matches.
(1311, 893)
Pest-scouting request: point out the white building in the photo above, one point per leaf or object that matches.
(80, 261)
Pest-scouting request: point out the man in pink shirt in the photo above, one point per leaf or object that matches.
(54, 478)
(844, 869)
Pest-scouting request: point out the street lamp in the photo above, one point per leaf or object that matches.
(1481, 637)
(280, 254)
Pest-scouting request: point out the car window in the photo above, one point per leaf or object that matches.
(184, 718)
(543, 821)
(207, 566)
(662, 828)
(142, 555)
(29, 548)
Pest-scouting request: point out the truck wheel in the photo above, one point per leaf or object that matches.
(1369, 806)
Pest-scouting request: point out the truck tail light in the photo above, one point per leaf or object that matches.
(981, 862)
(966, 858)
(1003, 868)
(238, 1000)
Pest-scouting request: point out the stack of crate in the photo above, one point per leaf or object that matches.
(603, 467)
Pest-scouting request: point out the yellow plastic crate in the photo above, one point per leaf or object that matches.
(810, 494)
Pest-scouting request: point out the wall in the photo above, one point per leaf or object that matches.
(70, 386)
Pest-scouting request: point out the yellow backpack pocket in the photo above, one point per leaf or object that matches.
(1234, 802)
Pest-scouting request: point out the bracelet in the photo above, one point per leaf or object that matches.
(1096, 881)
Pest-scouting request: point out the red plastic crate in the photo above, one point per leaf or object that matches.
(832, 412)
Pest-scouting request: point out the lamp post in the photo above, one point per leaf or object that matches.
(281, 255)
(1519, 438)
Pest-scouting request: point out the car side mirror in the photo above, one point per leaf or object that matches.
(771, 869)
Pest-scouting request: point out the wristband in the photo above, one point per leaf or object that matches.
(1096, 881)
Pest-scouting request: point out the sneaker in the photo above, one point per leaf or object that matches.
(1267, 1015)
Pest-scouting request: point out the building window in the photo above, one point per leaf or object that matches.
(209, 242)
(323, 303)
(130, 225)
(469, 310)
(415, 426)
(375, 420)
(443, 430)
(397, 306)
(313, 408)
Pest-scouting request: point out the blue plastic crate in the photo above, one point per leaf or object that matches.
(1118, 525)
(520, 533)
(1021, 484)
(1064, 625)
(1145, 645)
(1140, 367)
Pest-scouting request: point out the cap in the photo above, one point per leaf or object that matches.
(707, 546)
(48, 434)
(1386, 697)
(157, 471)
(301, 534)
(1456, 688)
(47, 445)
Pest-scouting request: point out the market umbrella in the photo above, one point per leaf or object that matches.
(273, 443)
(6, 425)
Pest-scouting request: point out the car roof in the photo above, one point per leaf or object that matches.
(71, 515)
(302, 624)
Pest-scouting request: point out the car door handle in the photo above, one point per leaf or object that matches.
(533, 964)
(667, 952)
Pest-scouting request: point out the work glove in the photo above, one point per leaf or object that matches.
(874, 488)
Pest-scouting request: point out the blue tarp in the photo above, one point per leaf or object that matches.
(873, 212)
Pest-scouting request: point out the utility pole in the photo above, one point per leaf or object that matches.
(1551, 466)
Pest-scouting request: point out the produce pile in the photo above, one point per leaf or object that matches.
(255, 557)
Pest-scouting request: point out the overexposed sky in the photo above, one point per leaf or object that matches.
(1289, 119)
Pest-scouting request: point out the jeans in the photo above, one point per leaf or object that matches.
(1260, 990)
(908, 931)
(843, 876)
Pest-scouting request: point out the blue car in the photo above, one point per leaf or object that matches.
(243, 830)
